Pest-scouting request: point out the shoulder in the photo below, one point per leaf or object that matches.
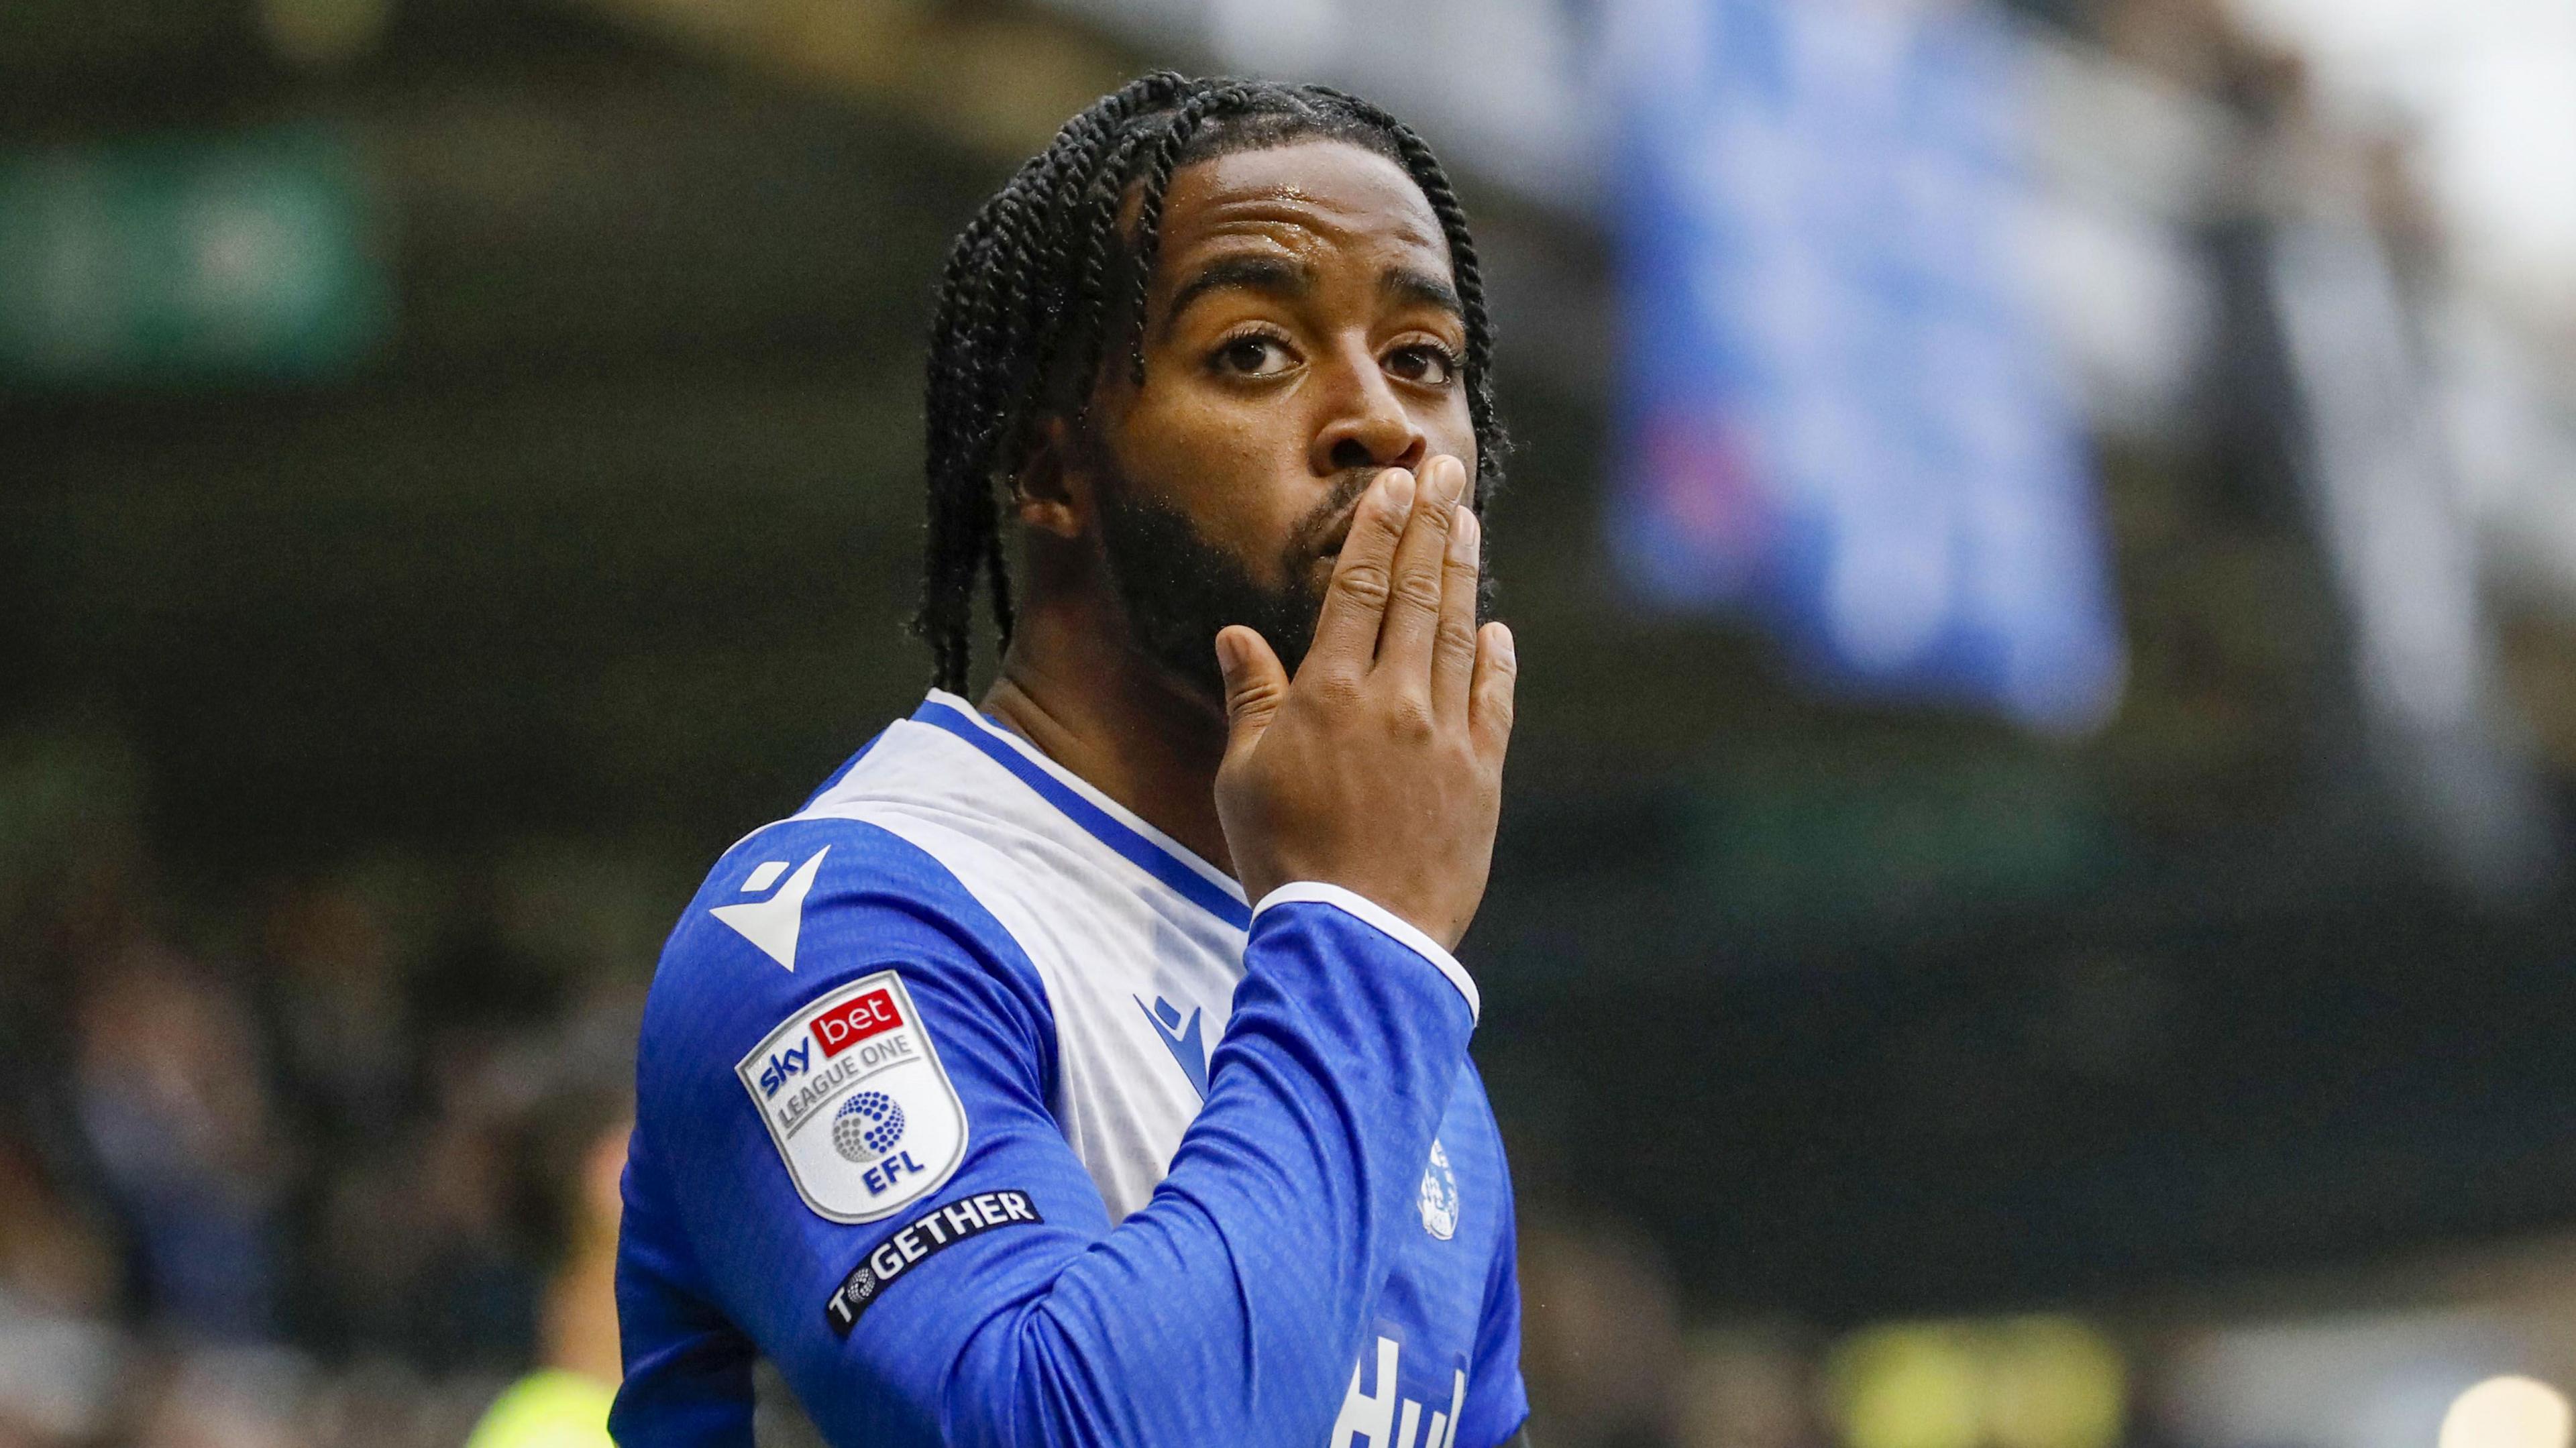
(804, 906)
(802, 892)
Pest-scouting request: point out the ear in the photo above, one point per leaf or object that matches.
(1052, 493)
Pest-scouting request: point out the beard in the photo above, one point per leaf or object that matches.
(1179, 589)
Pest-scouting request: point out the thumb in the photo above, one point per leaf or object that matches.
(1254, 685)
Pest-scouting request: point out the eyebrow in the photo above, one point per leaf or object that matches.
(1269, 274)
(1290, 279)
(1404, 284)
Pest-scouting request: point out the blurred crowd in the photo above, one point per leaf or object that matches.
(327, 1162)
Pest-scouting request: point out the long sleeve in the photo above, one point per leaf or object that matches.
(998, 1304)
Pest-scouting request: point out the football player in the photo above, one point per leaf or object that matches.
(1088, 1064)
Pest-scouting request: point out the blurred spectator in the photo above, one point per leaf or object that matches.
(1747, 1389)
(571, 1160)
(226, 1398)
(58, 1284)
(1601, 1335)
(173, 1104)
(413, 1249)
(50, 1260)
(344, 1026)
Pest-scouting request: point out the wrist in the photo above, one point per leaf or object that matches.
(1379, 918)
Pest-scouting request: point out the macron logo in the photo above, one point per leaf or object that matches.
(1189, 1052)
(773, 924)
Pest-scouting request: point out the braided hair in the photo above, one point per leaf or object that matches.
(1042, 277)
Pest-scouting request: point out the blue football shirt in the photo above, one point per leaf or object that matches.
(992, 1115)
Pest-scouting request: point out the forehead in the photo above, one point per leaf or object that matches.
(1314, 198)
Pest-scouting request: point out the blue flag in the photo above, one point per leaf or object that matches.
(1839, 412)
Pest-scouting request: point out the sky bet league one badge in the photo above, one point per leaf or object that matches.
(853, 1094)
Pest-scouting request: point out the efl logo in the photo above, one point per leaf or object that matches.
(844, 1026)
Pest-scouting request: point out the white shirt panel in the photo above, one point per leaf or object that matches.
(1107, 938)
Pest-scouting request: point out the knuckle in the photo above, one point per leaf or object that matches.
(1366, 585)
(1411, 719)
(1421, 593)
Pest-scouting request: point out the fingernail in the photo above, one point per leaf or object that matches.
(1229, 652)
(1503, 644)
(1462, 535)
(1453, 481)
(1399, 489)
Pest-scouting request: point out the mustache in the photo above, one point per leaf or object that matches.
(1332, 515)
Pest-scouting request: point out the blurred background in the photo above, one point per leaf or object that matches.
(2034, 908)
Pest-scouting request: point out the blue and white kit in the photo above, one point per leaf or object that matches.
(991, 1115)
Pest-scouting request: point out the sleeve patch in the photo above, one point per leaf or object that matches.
(857, 1102)
(934, 1232)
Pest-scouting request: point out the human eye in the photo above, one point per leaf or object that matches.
(1252, 354)
(1430, 363)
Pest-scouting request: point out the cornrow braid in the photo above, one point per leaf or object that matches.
(1033, 283)
(1158, 168)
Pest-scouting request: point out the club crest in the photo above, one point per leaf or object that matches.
(1439, 1196)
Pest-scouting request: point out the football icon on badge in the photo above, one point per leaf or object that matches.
(867, 1126)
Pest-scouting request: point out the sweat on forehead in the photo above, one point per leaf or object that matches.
(1264, 221)
(1306, 181)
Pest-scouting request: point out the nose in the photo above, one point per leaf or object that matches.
(1366, 425)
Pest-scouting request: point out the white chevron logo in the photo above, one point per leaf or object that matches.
(774, 923)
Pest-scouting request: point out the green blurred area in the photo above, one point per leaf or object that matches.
(224, 258)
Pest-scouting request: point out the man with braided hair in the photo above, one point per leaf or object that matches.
(1088, 1066)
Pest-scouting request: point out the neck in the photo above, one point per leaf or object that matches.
(1072, 686)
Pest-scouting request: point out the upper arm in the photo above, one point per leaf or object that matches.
(938, 1042)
